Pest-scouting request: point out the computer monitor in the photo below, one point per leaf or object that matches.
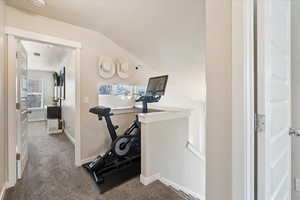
(157, 86)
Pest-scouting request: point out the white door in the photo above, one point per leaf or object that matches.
(22, 111)
(296, 98)
(296, 125)
(274, 99)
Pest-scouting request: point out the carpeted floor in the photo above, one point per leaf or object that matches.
(51, 175)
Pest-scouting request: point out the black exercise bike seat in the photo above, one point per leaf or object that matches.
(101, 111)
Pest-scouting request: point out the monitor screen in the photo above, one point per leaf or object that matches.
(157, 85)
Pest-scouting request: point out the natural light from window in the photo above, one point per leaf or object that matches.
(35, 94)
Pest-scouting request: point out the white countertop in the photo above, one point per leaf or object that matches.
(163, 113)
(156, 113)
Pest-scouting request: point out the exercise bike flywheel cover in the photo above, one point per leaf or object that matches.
(118, 147)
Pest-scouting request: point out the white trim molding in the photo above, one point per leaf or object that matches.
(243, 100)
(164, 115)
(181, 188)
(157, 177)
(37, 120)
(13, 35)
(41, 37)
(90, 159)
(76, 56)
(11, 109)
(9, 185)
(70, 137)
(87, 160)
(148, 180)
(3, 191)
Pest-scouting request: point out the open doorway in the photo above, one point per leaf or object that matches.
(46, 109)
(43, 113)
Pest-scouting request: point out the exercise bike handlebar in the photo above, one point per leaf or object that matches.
(148, 99)
(103, 111)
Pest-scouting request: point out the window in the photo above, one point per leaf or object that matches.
(35, 94)
(121, 90)
(118, 96)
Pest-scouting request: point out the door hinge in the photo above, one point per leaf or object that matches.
(294, 132)
(259, 123)
(18, 106)
(18, 156)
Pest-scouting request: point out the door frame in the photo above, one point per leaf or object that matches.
(12, 34)
(244, 74)
(243, 65)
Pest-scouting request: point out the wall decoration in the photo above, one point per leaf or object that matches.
(56, 81)
(63, 83)
(124, 68)
(107, 67)
(59, 85)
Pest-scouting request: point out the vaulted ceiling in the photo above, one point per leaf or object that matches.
(49, 57)
(159, 32)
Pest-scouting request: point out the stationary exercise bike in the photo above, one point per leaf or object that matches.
(125, 150)
(121, 146)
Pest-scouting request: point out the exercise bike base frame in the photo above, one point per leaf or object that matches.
(112, 163)
(115, 168)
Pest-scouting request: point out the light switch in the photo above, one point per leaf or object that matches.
(86, 99)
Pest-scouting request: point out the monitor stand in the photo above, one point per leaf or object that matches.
(145, 107)
(146, 100)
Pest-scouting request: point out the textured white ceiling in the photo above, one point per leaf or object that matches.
(50, 56)
(159, 32)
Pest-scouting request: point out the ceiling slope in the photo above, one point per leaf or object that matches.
(162, 33)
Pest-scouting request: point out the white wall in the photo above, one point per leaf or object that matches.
(219, 99)
(187, 89)
(174, 162)
(296, 89)
(2, 112)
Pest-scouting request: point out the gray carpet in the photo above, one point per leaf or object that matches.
(51, 175)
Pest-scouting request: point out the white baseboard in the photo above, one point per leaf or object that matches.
(87, 160)
(148, 180)
(36, 120)
(3, 191)
(10, 185)
(151, 179)
(70, 137)
(181, 188)
(90, 159)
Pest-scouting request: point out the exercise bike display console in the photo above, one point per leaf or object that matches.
(155, 89)
(123, 160)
